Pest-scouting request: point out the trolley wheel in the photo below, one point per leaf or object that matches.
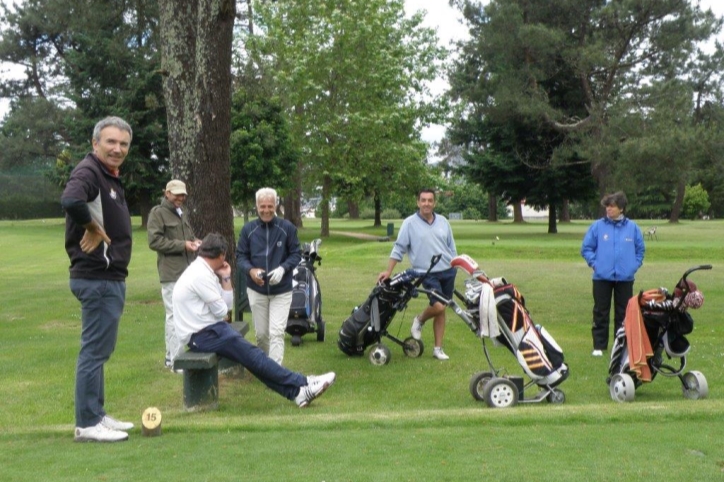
(556, 396)
(296, 340)
(321, 329)
(694, 385)
(500, 393)
(380, 355)
(622, 388)
(477, 384)
(413, 348)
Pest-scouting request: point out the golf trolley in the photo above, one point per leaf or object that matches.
(369, 322)
(495, 309)
(655, 325)
(305, 311)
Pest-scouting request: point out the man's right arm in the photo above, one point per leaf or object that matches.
(80, 214)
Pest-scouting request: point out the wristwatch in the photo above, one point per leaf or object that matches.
(226, 279)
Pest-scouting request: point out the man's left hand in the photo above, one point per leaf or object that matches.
(275, 275)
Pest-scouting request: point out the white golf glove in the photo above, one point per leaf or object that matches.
(275, 276)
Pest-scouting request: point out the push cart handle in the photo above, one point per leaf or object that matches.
(433, 261)
(695, 268)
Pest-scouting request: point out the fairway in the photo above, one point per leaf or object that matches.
(411, 420)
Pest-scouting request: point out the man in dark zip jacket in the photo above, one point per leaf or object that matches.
(267, 252)
(98, 242)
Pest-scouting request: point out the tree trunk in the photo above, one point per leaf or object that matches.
(353, 209)
(326, 192)
(378, 210)
(492, 207)
(145, 205)
(518, 212)
(678, 202)
(196, 40)
(566, 212)
(293, 201)
(552, 226)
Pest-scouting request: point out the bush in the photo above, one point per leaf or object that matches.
(471, 213)
(390, 214)
(367, 213)
(696, 202)
(25, 207)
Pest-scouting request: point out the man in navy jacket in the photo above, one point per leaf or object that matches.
(267, 252)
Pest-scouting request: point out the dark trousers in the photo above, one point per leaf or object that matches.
(222, 339)
(622, 291)
(101, 304)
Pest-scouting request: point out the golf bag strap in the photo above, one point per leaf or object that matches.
(375, 314)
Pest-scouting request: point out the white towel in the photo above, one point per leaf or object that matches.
(488, 313)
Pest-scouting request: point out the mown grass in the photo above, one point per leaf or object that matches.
(413, 419)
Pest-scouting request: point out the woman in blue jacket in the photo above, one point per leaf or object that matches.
(614, 248)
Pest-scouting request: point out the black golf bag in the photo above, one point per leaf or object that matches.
(305, 312)
(369, 321)
(654, 332)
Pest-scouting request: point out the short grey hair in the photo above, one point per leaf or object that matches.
(111, 121)
(266, 192)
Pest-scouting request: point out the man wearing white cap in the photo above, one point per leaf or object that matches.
(171, 236)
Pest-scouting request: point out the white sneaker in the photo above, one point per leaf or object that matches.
(328, 378)
(416, 330)
(439, 354)
(99, 433)
(113, 424)
(315, 387)
(596, 353)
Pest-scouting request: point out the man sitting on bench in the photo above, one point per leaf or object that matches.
(202, 297)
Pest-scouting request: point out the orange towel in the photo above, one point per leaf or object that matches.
(637, 340)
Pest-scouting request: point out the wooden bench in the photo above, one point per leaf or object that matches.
(201, 375)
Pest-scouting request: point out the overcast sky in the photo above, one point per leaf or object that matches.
(447, 22)
(441, 17)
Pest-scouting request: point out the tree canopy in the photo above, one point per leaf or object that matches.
(353, 76)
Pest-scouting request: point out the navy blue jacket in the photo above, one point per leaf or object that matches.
(268, 246)
(94, 193)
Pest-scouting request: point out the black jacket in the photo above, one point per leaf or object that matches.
(94, 193)
(267, 246)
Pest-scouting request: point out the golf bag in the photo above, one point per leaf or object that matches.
(655, 327)
(305, 312)
(534, 348)
(369, 321)
(495, 309)
(363, 327)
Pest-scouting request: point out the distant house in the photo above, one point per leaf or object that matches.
(529, 212)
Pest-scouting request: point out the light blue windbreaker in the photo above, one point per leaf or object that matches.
(614, 249)
(421, 241)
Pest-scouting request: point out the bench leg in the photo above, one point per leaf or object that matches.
(201, 389)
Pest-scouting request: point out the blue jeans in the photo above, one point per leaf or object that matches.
(222, 339)
(101, 304)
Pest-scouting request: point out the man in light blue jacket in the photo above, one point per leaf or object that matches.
(614, 248)
(423, 235)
